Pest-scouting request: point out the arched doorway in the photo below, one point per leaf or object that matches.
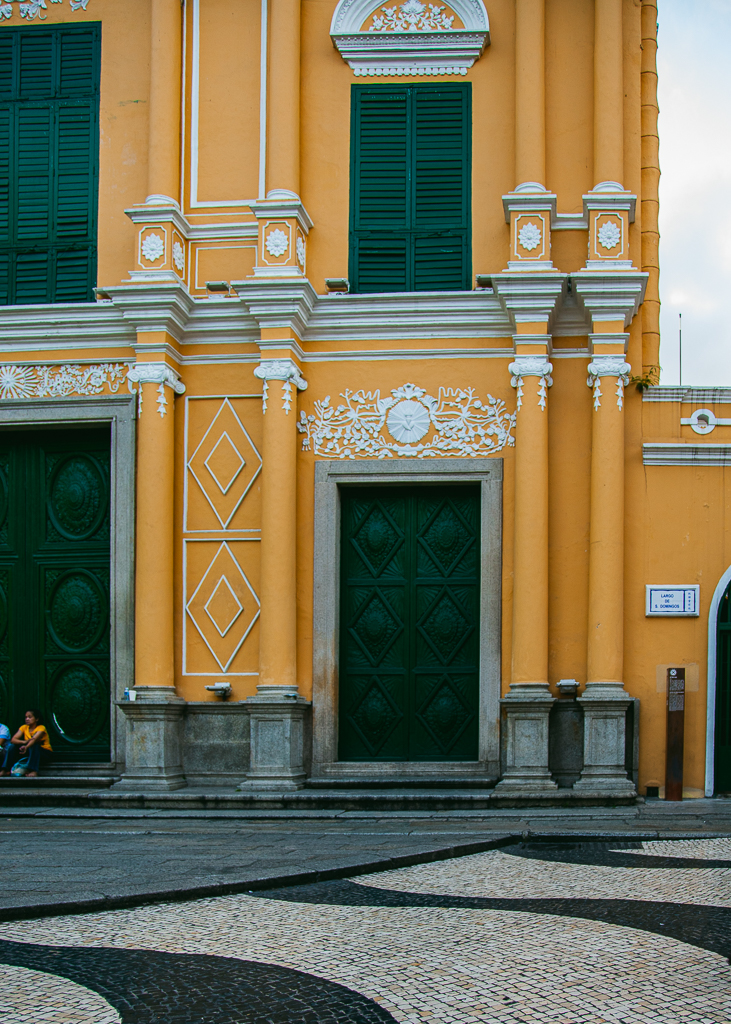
(722, 715)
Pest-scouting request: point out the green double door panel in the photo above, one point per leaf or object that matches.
(722, 738)
(409, 625)
(54, 586)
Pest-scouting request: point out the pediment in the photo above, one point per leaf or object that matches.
(411, 38)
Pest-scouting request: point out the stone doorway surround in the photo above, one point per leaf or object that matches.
(330, 477)
(117, 412)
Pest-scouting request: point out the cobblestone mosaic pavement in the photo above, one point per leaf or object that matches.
(536, 932)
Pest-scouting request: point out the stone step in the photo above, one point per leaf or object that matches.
(58, 782)
(22, 793)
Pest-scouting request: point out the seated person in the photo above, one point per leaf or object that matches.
(4, 737)
(31, 741)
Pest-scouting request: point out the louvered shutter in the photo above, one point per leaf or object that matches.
(49, 96)
(410, 188)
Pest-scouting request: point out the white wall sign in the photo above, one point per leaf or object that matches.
(672, 600)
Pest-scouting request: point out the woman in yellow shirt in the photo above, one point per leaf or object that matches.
(30, 741)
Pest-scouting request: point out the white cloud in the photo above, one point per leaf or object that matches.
(695, 159)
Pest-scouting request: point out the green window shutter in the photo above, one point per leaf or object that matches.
(410, 188)
(49, 163)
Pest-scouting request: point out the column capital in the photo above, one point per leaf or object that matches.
(608, 366)
(281, 369)
(531, 366)
(155, 373)
(285, 370)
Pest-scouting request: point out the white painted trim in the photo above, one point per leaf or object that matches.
(183, 105)
(691, 396)
(711, 682)
(664, 454)
(263, 59)
(195, 203)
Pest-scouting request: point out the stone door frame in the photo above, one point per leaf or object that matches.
(330, 477)
(117, 412)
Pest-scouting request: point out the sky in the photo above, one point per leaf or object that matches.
(695, 188)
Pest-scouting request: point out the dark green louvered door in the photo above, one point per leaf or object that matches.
(410, 188)
(49, 143)
(54, 586)
(409, 624)
(722, 738)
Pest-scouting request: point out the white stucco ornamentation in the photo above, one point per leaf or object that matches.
(608, 366)
(462, 425)
(33, 8)
(178, 256)
(411, 39)
(530, 236)
(153, 247)
(155, 373)
(285, 370)
(277, 242)
(609, 235)
(531, 366)
(301, 250)
(60, 381)
(412, 16)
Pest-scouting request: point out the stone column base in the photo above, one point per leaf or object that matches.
(527, 707)
(153, 761)
(605, 709)
(277, 724)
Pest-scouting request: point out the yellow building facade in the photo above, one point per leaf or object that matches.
(331, 426)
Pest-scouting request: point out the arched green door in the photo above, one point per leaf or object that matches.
(722, 744)
(409, 624)
(54, 586)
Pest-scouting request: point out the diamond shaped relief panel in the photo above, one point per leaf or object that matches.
(447, 538)
(377, 539)
(223, 607)
(376, 716)
(376, 627)
(445, 627)
(225, 464)
(445, 715)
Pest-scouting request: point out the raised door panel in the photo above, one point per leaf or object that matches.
(409, 624)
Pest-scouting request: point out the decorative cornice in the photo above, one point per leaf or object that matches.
(686, 454)
(608, 366)
(155, 307)
(610, 295)
(155, 373)
(531, 366)
(278, 303)
(530, 296)
(695, 396)
(375, 52)
(282, 203)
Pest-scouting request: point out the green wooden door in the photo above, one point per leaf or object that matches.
(54, 586)
(722, 742)
(409, 626)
